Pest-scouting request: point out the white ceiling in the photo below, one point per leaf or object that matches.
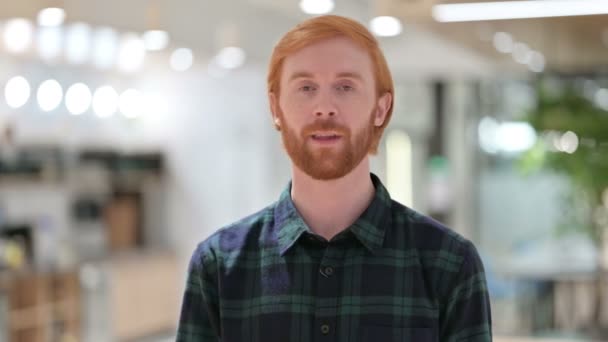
(259, 24)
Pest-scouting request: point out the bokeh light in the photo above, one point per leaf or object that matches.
(18, 35)
(105, 101)
(78, 43)
(386, 26)
(181, 59)
(49, 95)
(78, 98)
(17, 92)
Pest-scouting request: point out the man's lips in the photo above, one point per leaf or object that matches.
(326, 136)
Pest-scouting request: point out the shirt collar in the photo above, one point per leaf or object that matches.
(369, 227)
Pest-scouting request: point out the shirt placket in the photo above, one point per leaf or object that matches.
(328, 292)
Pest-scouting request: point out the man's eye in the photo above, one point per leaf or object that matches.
(307, 88)
(345, 88)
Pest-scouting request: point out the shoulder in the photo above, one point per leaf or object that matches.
(446, 256)
(426, 233)
(239, 235)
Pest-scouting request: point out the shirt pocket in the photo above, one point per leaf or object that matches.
(375, 333)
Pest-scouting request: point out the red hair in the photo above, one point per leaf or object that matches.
(324, 27)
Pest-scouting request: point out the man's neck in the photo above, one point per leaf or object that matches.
(328, 207)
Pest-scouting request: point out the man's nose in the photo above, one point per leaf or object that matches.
(325, 105)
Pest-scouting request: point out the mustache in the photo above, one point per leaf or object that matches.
(325, 125)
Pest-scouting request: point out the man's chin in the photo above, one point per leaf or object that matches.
(326, 169)
(325, 175)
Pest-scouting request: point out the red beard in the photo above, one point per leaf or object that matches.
(327, 163)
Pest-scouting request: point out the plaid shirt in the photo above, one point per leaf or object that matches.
(394, 275)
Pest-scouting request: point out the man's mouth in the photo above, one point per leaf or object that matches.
(326, 136)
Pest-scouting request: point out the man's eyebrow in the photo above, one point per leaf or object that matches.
(350, 74)
(300, 74)
(344, 74)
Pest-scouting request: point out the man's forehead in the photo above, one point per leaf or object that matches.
(339, 56)
(338, 46)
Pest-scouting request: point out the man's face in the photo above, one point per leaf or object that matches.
(328, 107)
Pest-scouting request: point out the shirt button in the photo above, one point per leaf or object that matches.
(329, 270)
(325, 329)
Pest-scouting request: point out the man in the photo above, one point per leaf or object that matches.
(334, 259)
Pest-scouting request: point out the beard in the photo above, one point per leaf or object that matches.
(327, 163)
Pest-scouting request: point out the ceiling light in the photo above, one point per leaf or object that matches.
(52, 16)
(386, 26)
(316, 6)
(131, 53)
(78, 43)
(17, 92)
(231, 57)
(503, 42)
(105, 101)
(155, 40)
(49, 42)
(78, 99)
(105, 46)
(477, 11)
(49, 95)
(521, 53)
(18, 35)
(537, 61)
(181, 59)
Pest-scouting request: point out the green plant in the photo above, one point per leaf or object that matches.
(585, 164)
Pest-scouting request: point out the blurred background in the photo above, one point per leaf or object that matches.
(131, 130)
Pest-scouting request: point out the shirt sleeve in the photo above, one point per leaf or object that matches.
(199, 318)
(465, 314)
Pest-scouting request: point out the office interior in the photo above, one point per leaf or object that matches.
(132, 130)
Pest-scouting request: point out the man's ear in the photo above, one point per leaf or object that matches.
(382, 107)
(274, 109)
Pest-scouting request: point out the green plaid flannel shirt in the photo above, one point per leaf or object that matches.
(394, 275)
